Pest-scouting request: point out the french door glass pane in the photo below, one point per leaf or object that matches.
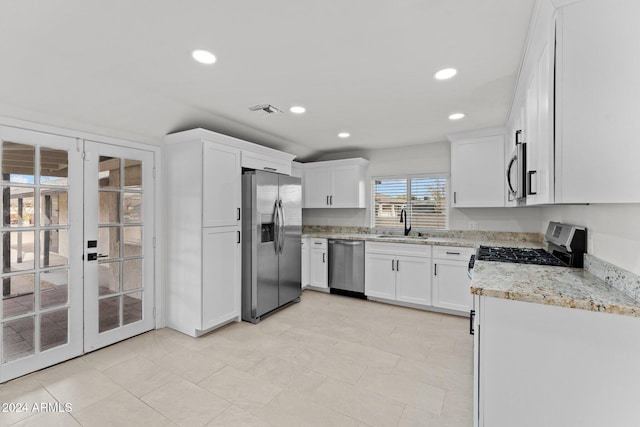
(17, 339)
(54, 288)
(18, 162)
(133, 174)
(109, 172)
(19, 298)
(54, 329)
(54, 167)
(132, 241)
(109, 313)
(109, 278)
(19, 206)
(132, 277)
(132, 307)
(54, 247)
(53, 207)
(109, 242)
(132, 207)
(109, 207)
(17, 251)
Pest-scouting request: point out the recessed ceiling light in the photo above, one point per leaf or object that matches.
(203, 56)
(344, 135)
(456, 116)
(297, 109)
(445, 73)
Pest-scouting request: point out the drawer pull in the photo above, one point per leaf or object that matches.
(453, 253)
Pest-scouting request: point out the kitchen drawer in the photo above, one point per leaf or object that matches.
(453, 252)
(318, 243)
(406, 249)
(265, 163)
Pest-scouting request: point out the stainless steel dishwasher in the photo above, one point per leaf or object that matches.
(346, 267)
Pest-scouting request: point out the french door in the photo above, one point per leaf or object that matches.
(118, 243)
(66, 202)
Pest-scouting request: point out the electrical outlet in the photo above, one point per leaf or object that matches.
(473, 225)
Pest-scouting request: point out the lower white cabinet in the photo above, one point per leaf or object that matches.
(304, 280)
(318, 263)
(541, 365)
(451, 285)
(398, 272)
(221, 264)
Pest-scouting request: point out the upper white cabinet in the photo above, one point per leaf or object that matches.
(221, 185)
(576, 100)
(597, 102)
(533, 108)
(335, 184)
(478, 169)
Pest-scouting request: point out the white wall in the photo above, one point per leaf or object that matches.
(613, 231)
(420, 159)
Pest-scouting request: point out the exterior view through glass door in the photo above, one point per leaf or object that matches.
(41, 313)
(54, 234)
(118, 246)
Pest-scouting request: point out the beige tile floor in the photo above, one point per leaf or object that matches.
(327, 361)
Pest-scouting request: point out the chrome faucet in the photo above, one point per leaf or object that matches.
(403, 212)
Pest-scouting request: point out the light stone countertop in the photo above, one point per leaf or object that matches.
(424, 240)
(559, 286)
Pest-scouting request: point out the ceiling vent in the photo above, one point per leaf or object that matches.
(267, 108)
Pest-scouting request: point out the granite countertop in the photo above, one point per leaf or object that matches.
(559, 286)
(467, 242)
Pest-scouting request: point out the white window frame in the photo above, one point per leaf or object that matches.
(408, 177)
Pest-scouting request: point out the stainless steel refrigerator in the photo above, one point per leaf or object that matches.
(271, 247)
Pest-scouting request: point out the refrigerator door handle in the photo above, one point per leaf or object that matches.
(281, 226)
(276, 224)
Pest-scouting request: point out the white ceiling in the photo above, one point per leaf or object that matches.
(123, 68)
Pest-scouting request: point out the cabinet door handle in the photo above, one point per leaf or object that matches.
(269, 169)
(453, 253)
(327, 200)
(317, 243)
(331, 200)
(393, 268)
(472, 314)
(323, 257)
(397, 265)
(455, 198)
(238, 237)
(530, 183)
(238, 214)
(435, 269)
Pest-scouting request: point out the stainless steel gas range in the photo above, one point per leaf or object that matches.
(567, 245)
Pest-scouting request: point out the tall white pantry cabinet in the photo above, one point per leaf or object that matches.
(203, 214)
(203, 190)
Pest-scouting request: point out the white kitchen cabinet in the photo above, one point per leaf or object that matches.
(203, 253)
(335, 184)
(478, 168)
(533, 107)
(221, 266)
(221, 185)
(541, 365)
(318, 263)
(597, 102)
(203, 190)
(398, 272)
(305, 279)
(451, 285)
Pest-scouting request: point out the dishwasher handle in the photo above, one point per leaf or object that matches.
(346, 242)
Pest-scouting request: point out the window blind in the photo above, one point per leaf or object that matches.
(424, 198)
